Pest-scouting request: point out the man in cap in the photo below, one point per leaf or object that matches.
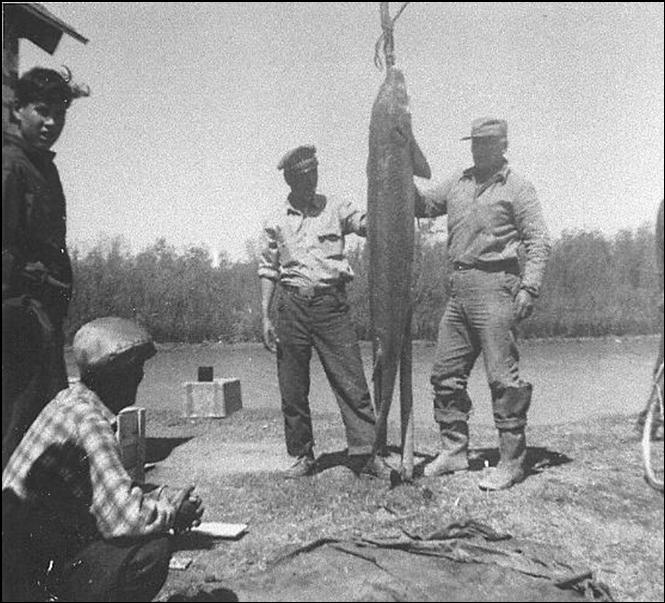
(76, 525)
(492, 212)
(304, 257)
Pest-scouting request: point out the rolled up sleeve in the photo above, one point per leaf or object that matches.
(534, 235)
(269, 260)
(432, 202)
(353, 219)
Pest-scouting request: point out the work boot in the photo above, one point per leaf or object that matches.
(511, 468)
(454, 448)
(302, 467)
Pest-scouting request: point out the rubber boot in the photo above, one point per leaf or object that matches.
(454, 448)
(511, 468)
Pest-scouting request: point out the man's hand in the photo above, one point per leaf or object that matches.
(37, 267)
(270, 339)
(164, 515)
(523, 305)
(189, 510)
(35, 271)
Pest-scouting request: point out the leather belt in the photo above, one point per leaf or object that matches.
(311, 292)
(510, 266)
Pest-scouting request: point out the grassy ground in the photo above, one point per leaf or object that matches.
(586, 494)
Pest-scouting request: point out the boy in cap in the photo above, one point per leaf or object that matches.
(76, 525)
(304, 256)
(36, 270)
(492, 211)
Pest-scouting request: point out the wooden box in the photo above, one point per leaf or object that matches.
(131, 439)
(217, 399)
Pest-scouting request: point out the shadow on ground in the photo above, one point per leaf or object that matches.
(218, 594)
(157, 449)
(328, 460)
(196, 541)
(537, 459)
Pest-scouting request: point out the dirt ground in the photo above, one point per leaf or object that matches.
(585, 496)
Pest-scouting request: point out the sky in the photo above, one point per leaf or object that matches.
(193, 104)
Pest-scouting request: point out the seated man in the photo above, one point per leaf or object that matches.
(74, 526)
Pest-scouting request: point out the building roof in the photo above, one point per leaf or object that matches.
(34, 22)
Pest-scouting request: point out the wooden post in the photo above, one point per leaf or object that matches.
(131, 439)
(406, 403)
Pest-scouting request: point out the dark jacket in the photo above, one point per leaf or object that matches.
(33, 226)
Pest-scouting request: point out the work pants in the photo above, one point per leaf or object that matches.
(479, 318)
(321, 322)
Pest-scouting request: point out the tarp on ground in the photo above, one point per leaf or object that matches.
(460, 562)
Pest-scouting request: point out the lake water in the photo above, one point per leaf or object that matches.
(573, 379)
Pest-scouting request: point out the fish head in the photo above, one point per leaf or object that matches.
(397, 84)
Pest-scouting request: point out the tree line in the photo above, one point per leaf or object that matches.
(594, 285)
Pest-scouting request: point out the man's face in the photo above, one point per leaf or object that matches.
(41, 123)
(487, 151)
(304, 185)
(121, 386)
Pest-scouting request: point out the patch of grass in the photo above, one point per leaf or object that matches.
(587, 499)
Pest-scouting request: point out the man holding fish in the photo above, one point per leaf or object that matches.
(305, 264)
(492, 211)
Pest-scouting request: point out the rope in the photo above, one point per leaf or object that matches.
(378, 61)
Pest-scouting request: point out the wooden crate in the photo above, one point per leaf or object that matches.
(131, 439)
(216, 399)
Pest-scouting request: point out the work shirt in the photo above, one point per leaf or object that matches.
(68, 467)
(33, 216)
(487, 222)
(307, 249)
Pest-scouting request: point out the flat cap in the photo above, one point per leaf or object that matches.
(301, 159)
(109, 341)
(488, 126)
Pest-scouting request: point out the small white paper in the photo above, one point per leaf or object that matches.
(220, 529)
(179, 563)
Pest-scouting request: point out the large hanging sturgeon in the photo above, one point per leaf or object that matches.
(394, 158)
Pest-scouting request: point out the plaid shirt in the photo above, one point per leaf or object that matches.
(307, 250)
(68, 463)
(488, 222)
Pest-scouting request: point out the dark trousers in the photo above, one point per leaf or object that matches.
(323, 323)
(479, 318)
(37, 561)
(117, 571)
(33, 367)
